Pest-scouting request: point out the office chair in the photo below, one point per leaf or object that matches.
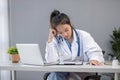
(46, 75)
(91, 77)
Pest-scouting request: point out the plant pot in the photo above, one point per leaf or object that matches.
(15, 58)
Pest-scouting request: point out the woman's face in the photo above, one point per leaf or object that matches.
(65, 31)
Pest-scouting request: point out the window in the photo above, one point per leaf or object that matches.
(4, 39)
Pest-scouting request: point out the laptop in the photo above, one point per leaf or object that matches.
(30, 54)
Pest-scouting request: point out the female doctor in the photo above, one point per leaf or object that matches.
(65, 43)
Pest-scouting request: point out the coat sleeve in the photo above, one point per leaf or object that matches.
(51, 50)
(91, 48)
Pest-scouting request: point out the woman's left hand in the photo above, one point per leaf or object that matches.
(95, 62)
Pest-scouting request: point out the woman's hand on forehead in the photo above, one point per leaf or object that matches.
(52, 33)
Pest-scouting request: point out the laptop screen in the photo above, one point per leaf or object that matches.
(30, 54)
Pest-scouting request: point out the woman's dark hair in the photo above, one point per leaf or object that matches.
(57, 18)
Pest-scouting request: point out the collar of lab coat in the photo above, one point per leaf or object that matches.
(74, 36)
(74, 46)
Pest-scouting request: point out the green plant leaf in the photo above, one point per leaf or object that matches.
(12, 50)
(115, 42)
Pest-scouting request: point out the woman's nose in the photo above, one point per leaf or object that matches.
(64, 34)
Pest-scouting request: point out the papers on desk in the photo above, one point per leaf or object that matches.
(108, 62)
(71, 63)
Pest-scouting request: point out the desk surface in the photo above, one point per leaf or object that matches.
(61, 68)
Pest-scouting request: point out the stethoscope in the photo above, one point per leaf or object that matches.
(59, 38)
(78, 41)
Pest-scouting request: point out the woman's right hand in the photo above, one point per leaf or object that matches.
(52, 33)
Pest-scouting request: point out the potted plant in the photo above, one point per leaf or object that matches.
(13, 52)
(115, 43)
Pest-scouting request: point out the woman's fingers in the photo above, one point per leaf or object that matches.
(52, 33)
(95, 62)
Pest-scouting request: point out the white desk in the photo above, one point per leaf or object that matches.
(62, 68)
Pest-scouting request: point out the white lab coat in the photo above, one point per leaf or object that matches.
(89, 49)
